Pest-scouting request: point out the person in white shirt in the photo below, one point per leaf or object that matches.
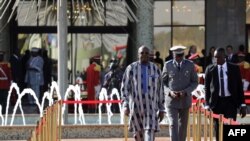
(223, 88)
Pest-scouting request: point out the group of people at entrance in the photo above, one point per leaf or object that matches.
(31, 70)
(149, 94)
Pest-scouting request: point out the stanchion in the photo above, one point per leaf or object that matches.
(55, 120)
(194, 123)
(198, 120)
(45, 123)
(205, 125)
(125, 127)
(188, 126)
(33, 138)
(221, 128)
(230, 121)
(49, 124)
(38, 128)
(52, 123)
(60, 120)
(48, 128)
(211, 126)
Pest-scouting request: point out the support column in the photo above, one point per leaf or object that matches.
(141, 32)
(62, 31)
(225, 23)
(145, 14)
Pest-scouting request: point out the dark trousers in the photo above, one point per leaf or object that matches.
(3, 99)
(225, 106)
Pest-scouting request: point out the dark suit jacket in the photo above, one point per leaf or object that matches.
(15, 69)
(212, 86)
(234, 59)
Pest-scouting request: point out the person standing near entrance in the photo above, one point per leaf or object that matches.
(223, 89)
(93, 80)
(5, 81)
(142, 96)
(179, 80)
(34, 74)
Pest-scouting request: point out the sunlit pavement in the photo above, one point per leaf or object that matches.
(106, 139)
(115, 139)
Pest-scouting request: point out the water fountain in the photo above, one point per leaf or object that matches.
(76, 119)
(80, 124)
(49, 96)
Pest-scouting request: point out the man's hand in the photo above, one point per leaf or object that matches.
(173, 94)
(179, 94)
(161, 116)
(243, 111)
(182, 94)
(126, 111)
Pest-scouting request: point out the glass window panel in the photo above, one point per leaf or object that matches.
(162, 13)
(106, 45)
(188, 36)
(27, 13)
(115, 14)
(44, 41)
(188, 13)
(87, 46)
(162, 40)
(114, 45)
(48, 14)
(87, 14)
(248, 11)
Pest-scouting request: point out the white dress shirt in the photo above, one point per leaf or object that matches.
(224, 67)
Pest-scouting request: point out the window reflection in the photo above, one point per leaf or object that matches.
(27, 14)
(115, 14)
(162, 40)
(188, 12)
(186, 26)
(188, 36)
(162, 13)
(86, 48)
(79, 13)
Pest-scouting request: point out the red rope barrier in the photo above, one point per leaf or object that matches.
(196, 100)
(247, 101)
(225, 120)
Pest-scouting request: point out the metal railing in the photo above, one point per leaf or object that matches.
(49, 126)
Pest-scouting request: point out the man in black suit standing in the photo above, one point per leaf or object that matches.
(223, 88)
(231, 57)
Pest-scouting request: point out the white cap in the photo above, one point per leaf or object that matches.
(178, 49)
(34, 49)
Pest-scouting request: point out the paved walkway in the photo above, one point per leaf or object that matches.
(105, 139)
(115, 139)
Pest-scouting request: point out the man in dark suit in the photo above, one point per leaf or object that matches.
(223, 88)
(231, 57)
